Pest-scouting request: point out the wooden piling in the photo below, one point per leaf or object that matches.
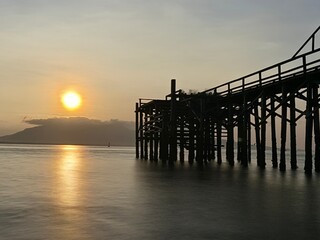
(316, 129)
(151, 134)
(141, 133)
(156, 142)
(240, 136)
(283, 131)
(244, 143)
(230, 136)
(213, 142)
(263, 132)
(219, 142)
(164, 141)
(191, 140)
(182, 140)
(137, 129)
(273, 134)
(173, 123)
(207, 141)
(146, 139)
(293, 142)
(257, 132)
(249, 135)
(308, 139)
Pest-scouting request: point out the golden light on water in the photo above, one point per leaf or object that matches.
(68, 171)
(71, 100)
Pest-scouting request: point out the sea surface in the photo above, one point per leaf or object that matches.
(80, 192)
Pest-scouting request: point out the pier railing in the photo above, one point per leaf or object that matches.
(295, 66)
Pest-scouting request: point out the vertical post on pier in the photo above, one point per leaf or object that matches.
(213, 143)
(156, 136)
(244, 144)
(240, 135)
(137, 130)
(199, 143)
(146, 135)
(283, 130)
(219, 136)
(200, 135)
(191, 140)
(263, 131)
(257, 131)
(308, 140)
(207, 145)
(293, 142)
(164, 138)
(182, 139)
(273, 135)
(230, 137)
(141, 133)
(249, 135)
(316, 129)
(173, 123)
(151, 134)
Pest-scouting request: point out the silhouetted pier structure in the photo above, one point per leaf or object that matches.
(269, 101)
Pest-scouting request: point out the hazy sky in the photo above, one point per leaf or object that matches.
(116, 51)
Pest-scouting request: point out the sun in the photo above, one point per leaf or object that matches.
(71, 100)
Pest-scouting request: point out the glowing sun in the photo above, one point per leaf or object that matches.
(71, 100)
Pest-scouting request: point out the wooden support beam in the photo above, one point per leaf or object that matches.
(273, 135)
(164, 139)
(316, 129)
(230, 137)
(141, 135)
(219, 142)
(308, 139)
(293, 142)
(199, 143)
(191, 140)
(244, 143)
(283, 131)
(173, 123)
(240, 136)
(257, 131)
(182, 139)
(263, 132)
(156, 143)
(137, 130)
(151, 137)
(200, 135)
(249, 135)
(213, 142)
(146, 138)
(207, 141)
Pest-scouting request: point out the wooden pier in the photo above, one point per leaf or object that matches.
(240, 113)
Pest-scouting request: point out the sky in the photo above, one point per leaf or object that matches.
(113, 52)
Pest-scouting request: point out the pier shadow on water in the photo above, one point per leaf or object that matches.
(219, 202)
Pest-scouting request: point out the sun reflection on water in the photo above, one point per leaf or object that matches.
(69, 176)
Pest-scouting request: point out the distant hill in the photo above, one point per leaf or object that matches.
(75, 130)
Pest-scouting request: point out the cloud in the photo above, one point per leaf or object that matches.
(70, 120)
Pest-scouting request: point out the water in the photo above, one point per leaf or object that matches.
(79, 192)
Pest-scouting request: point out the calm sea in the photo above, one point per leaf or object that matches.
(79, 192)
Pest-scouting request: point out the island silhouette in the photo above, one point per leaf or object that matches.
(75, 130)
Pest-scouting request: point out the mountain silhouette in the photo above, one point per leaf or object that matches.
(75, 130)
